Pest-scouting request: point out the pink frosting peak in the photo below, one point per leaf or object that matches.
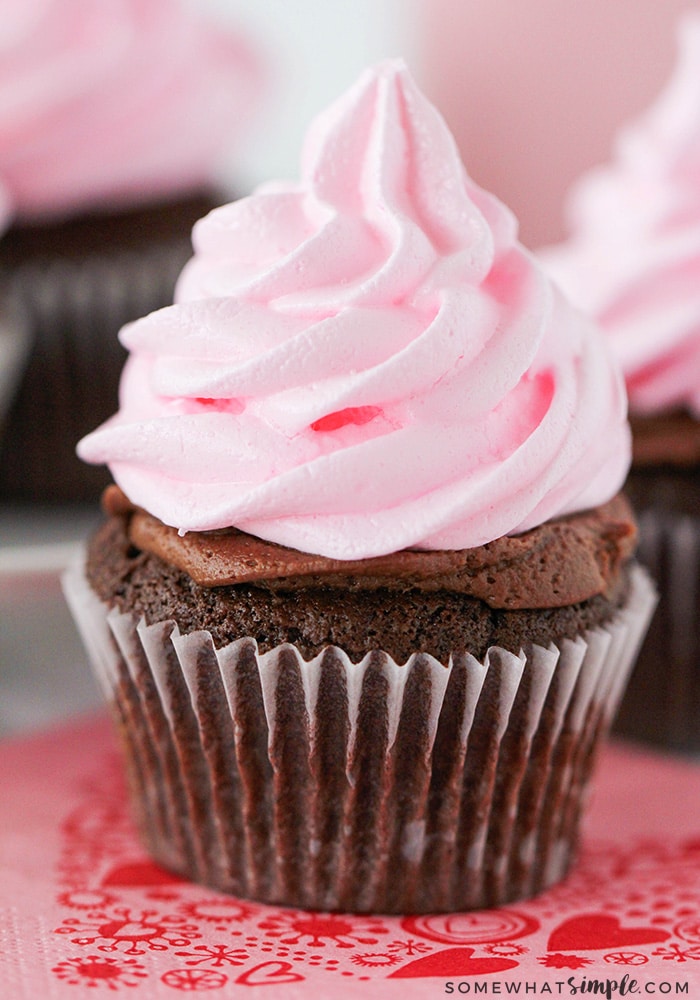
(367, 360)
(633, 257)
(115, 100)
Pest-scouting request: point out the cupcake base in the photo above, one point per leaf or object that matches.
(662, 703)
(360, 787)
(78, 282)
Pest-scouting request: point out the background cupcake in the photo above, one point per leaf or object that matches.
(116, 122)
(633, 261)
(364, 603)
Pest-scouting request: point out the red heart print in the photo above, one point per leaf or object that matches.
(452, 962)
(269, 974)
(600, 930)
(140, 873)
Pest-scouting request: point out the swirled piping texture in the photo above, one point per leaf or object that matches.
(633, 257)
(116, 101)
(367, 360)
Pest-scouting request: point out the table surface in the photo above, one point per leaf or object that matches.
(44, 675)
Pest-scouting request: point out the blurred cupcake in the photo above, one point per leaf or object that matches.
(633, 262)
(364, 602)
(114, 125)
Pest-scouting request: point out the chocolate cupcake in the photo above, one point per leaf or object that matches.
(632, 261)
(104, 168)
(77, 290)
(364, 602)
(662, 705)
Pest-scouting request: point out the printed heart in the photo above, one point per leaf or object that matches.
(140, 873)
(472, 927)
(269, 974)
(452, 962)
(600, 930)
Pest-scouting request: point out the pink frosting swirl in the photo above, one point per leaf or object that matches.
(115, 100)
(368, 360)
(633, 258)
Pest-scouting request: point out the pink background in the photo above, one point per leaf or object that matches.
(534, 89)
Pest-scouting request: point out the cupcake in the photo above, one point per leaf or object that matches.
(633, 262)
(115, 122)
(364, 601)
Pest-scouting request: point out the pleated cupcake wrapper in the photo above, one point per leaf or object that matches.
(14, 347)
(662, 702)
(74, 310)
(360, 787)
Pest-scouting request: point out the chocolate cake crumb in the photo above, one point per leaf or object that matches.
(398, 621)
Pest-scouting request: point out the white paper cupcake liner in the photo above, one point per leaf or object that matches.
(360, 787)
(662, 702)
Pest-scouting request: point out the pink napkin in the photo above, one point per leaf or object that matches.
(83, 912)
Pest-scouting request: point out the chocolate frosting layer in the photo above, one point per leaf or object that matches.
(554, 565)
